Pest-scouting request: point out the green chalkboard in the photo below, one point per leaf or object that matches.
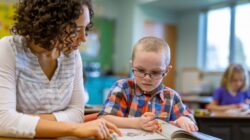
(104, 29)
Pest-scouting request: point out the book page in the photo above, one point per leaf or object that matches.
(136, 134)
(169, 130)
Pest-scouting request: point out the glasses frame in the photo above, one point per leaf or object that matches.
(163, 73)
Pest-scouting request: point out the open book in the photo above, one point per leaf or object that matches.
(169, 132)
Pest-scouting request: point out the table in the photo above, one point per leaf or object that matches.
(196, 101)
(225, 126)
(90, 109)
(3, 138)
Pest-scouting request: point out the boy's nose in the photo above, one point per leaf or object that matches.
(147, 75)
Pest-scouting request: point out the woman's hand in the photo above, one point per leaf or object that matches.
(100, 129)
(186, 124)
(147, 122)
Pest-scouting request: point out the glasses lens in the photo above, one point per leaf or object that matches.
(142, 74)
(157, 75)
(138, 73)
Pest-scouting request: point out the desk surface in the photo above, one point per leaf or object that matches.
(66, 138)
(225, 125)
(2, 138)
(196, 99)
(89, 109)
(233, 114)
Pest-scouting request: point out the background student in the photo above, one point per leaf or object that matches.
(233, 92)
(136, 102)
(41, 84)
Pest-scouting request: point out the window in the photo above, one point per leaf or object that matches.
(227, 37)
(242, 39)
(218, 33)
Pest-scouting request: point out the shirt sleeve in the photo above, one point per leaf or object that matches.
(75, 110)
(217, 94)
(116, 102)
(179, 108)
(12, 123)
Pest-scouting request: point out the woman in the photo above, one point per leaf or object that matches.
(41, 82)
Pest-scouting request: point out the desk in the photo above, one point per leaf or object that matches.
(225, 126)
(195, 101)
(90, 109)
(2, 138)
(66, 138)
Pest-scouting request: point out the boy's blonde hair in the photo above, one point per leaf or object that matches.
(152, 44)
(229, 73)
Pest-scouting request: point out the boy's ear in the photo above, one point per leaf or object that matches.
(131, 63)
(169, 67)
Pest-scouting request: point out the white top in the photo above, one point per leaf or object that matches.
(25, 89)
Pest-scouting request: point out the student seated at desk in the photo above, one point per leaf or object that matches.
(135, 103)
(233, 92)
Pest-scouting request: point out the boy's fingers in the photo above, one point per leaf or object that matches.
(196, 127)
(187, 128)
(151, 122)
(149, 114)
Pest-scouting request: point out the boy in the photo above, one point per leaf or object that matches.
(135, 103)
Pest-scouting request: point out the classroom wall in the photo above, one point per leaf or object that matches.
(187, 43)
(123, 13)
(144, 13)
(130, 17)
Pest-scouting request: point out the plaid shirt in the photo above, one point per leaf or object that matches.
(126, 99)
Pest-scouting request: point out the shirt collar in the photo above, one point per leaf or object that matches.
(159, 91)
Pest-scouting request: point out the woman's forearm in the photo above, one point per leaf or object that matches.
(52, 129)
(123, 122)
(49, 117)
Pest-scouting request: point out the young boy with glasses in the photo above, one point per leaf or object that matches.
(136, 102)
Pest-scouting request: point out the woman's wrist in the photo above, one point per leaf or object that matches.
(72, 129)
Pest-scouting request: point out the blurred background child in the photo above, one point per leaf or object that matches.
(233, 92)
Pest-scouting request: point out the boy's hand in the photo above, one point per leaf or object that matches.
(186, 124)
(147, 122)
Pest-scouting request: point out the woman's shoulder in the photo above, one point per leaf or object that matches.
(6, 45)
(5, 40)
(11, 41)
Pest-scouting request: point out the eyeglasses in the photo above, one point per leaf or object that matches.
(156, 75)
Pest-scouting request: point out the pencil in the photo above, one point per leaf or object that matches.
(164, 116)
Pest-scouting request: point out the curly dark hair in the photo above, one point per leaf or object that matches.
(44, 21)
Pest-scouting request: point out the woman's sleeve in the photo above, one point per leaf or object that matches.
(75, 110)
(12, 123)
